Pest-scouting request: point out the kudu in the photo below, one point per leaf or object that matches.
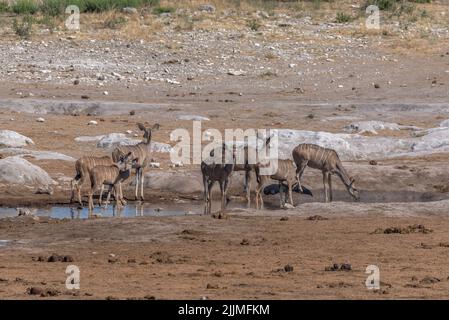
(328, 162)
(141, 155)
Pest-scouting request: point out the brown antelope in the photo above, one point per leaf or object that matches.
(328, 162)
(285, 172)
(141, 154)
(248, 167)
(217, 172)
(111, 175)
(83, 167)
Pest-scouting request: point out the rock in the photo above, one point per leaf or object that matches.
(12, 139)
(212, 286)
(155, 165)
(233, 72)
(190, 117)
(372, 126)
(38, 155)
(15, 170)
(25, 212)
(55, 258)
(288, 268)
(244, 242)
(373, 162)
(106, 93)
(35, 291)
(207, 8)
(92, 123)
(130, 10)
(40, 120)
(376, 85)
(76, 82)
(47, 190)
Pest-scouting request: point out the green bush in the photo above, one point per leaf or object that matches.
(161, 9)
(343, 17)
(254, 25)
(4, 7)
(23, 28)
(25, 7)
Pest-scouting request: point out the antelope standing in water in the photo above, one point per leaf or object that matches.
(83, 167)
(112, 175)
(328, 162)
(217, 172)
(286, 172)
(248, 167)
(141, 154)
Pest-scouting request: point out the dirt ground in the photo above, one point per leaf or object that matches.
(322, 76)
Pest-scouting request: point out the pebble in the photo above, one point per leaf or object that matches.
(40, 120)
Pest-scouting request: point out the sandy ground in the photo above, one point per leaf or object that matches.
(331, 83)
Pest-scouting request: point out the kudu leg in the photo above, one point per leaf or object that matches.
(326, 195)
(101, 195)
(205, 186)
(299, 172)
(290, 192)
(209, 197)
(142, 176)
(248, 188)
(137, 184)
(329, 182)
(281, 195)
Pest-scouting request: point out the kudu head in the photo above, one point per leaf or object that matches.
(352, 189)
(126, 161)
(147, 132)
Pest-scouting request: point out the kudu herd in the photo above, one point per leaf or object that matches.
(114, 171)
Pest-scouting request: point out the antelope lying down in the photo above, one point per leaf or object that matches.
(328, 162)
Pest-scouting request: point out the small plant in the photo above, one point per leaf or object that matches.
(343, 17)
(162, 9)
(47, 21)
(25, 7)
(115, 22)
(268, 74)
(254, 25)
(24, 27)
(4, 7)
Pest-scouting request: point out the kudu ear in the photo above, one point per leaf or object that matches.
(156, 126)
(141, 126)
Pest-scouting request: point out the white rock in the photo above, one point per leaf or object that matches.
(38, 155)
(128, 131)
(13, 139)
(444, 123)
(233, 72)
(191, 117)
(105, 93)
(92, 123)
(15, 170)
(40, 120)
(373, 126)
(155, 165)
(89, 138)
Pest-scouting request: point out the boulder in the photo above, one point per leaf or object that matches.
(12, 139)
(16, 170)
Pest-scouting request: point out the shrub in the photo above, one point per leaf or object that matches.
(4, 7)
(23, 28)
(115, 23)
(254, 25)
(343, 17)
(161, 9)
(25, 7)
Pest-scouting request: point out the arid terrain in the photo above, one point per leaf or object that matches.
(293, 67)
